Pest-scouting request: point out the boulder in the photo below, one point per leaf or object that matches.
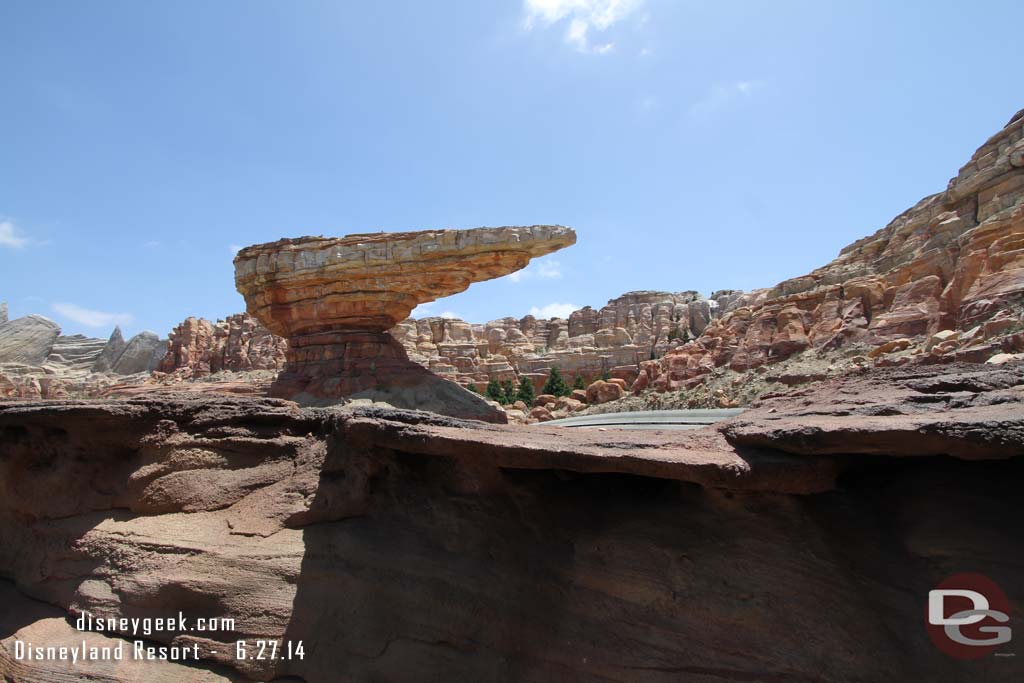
(138, 354)
(543, 399)
(603, 392)
(27, 340)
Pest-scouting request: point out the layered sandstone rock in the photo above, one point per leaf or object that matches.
(404, 546)
(238, 343)
(614, 339)
(37, 361)
(953, 262)
(334, 299)
(27, 340)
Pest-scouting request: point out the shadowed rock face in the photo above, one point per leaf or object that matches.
(404, 546)
(335, 298)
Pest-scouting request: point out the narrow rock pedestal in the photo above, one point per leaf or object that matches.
(334, 299)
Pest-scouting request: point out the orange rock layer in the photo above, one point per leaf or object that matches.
(335, 298)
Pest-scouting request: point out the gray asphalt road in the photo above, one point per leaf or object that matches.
(649, 419)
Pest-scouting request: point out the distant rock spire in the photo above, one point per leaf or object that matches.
(111, 352)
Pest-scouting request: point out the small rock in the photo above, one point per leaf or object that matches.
(541, 414)
(889, 347)
(941, 337)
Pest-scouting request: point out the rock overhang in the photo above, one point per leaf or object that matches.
(371, 281)
(335, 298)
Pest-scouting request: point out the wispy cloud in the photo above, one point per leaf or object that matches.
(89, 317)
(724, 95)
(646, 104)
(427, 311)
(153, 244)
(9, 236)
(553, 310)
(234, 249)
(541, 269)
(584, 17)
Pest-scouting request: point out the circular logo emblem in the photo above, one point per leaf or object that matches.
(968, 616)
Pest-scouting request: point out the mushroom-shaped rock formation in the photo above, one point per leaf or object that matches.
(334, 298)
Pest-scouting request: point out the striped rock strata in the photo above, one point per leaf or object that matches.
(334, 299)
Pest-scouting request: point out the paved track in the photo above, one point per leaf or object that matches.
(649, 419)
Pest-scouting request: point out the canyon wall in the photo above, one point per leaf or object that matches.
(239, 343)
(614, 339)
(944, 280)
(797, 542)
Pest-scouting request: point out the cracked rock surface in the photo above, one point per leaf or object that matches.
(403, 546)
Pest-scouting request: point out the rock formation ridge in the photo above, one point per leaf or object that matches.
(37, 361)
(334, 299)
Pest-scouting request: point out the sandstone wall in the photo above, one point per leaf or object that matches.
(238, 343)
(399, 546)
(616, 338)
(953, 263)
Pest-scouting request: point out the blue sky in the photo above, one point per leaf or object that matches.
(693, 145)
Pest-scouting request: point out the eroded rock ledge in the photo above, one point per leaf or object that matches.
(795, 543)
(335, 298)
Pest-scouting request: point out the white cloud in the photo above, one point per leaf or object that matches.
(9, 236)
(152, 244)
(426, 311)
(554, 310)
(541, 269)
(89, 317)
(234, 249)
(722, 96)
(422, 311)
(584, 17)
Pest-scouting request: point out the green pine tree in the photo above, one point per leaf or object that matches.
(472, 387)
(494, 391)
(508, 392)
(579, 382)
(605, 375)
(526, 393)
(555, 385)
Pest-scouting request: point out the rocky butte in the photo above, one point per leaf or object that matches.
(334, 299)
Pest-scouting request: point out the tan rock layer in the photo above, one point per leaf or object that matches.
(335, 299)
(372, 281)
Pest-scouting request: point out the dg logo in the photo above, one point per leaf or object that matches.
(968, 616)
